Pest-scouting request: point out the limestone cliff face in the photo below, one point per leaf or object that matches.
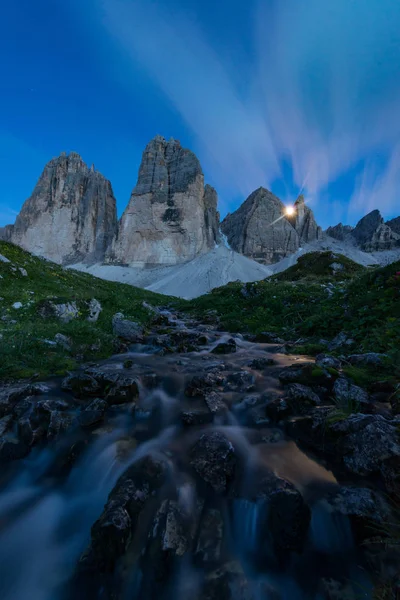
(339, 232)
(304, 222)
(171, 217)
(372, 234)
(71, 215)
(394, 225)
(259, 228)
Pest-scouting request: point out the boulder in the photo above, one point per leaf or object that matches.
(228, 347)
(95, 309)
(127, 330)
(327, 362)
(81, 384)
(209, 541)
(11, 395)
(346, 393)
(367, 442)
(214, 460)
(112, 532)
(373, 359)
(298, 396)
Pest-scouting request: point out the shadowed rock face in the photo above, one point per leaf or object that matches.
(71, 215)
(171, 217)
(372, 234)
(260, 230)
(394, 225)
(339, 232)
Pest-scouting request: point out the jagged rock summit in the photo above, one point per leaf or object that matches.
(260, 229)
(171, 217)
(371, 233)
(71, 215)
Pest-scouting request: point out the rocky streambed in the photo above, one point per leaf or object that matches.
(198, 465)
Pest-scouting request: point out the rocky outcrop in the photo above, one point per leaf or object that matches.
(339, 232)
(394, 225)
(71, 215)
(6, 233)
(171, 217)
(304, 222)
(372, 234)
(259, 228)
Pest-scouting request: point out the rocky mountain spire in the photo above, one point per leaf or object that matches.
(71, 214)
(171, 217)
(372, 234)
(259, 228)
(394, 225)
(305, 223)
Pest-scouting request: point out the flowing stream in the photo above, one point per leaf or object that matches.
(47, 509)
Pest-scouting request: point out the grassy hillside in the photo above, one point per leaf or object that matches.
(24, 346)
(307, 301)
(310, 300)
(322, 266)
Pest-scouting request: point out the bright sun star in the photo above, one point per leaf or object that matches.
(290, 211)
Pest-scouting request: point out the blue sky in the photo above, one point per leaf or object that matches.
(286, 94)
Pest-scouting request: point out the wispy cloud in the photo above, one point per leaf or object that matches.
(378, 190)
(323, 88)
(7, 215)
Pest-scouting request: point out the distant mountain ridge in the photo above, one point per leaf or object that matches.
(172, 217)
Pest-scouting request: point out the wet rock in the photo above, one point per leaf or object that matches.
(370, 359)
(111, 534)
(228, 582)
(298, 395)
(203, 384)
(45, 406)
(60, 422)
(128, 364)
(5, 424)
(228, 347)
(268, 337)
(209, 541)
(13, 450)
(198, 416)
(93, 414)
(327, 362)
(295, 373)
(278, 409)
(288, 516)
(240, 381)
(125, 389)
(260, 364)
(127, 330)
(312, 430)
(11, 395)
(30, 431)
(308, 374)
(214, 403)
(81, 384)
(257, 417)
(347, 393)
(368, 442)
(364, 507)
(213, 458)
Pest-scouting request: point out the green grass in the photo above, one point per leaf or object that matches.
(366, 307)
(321, 266)
(23, 351)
